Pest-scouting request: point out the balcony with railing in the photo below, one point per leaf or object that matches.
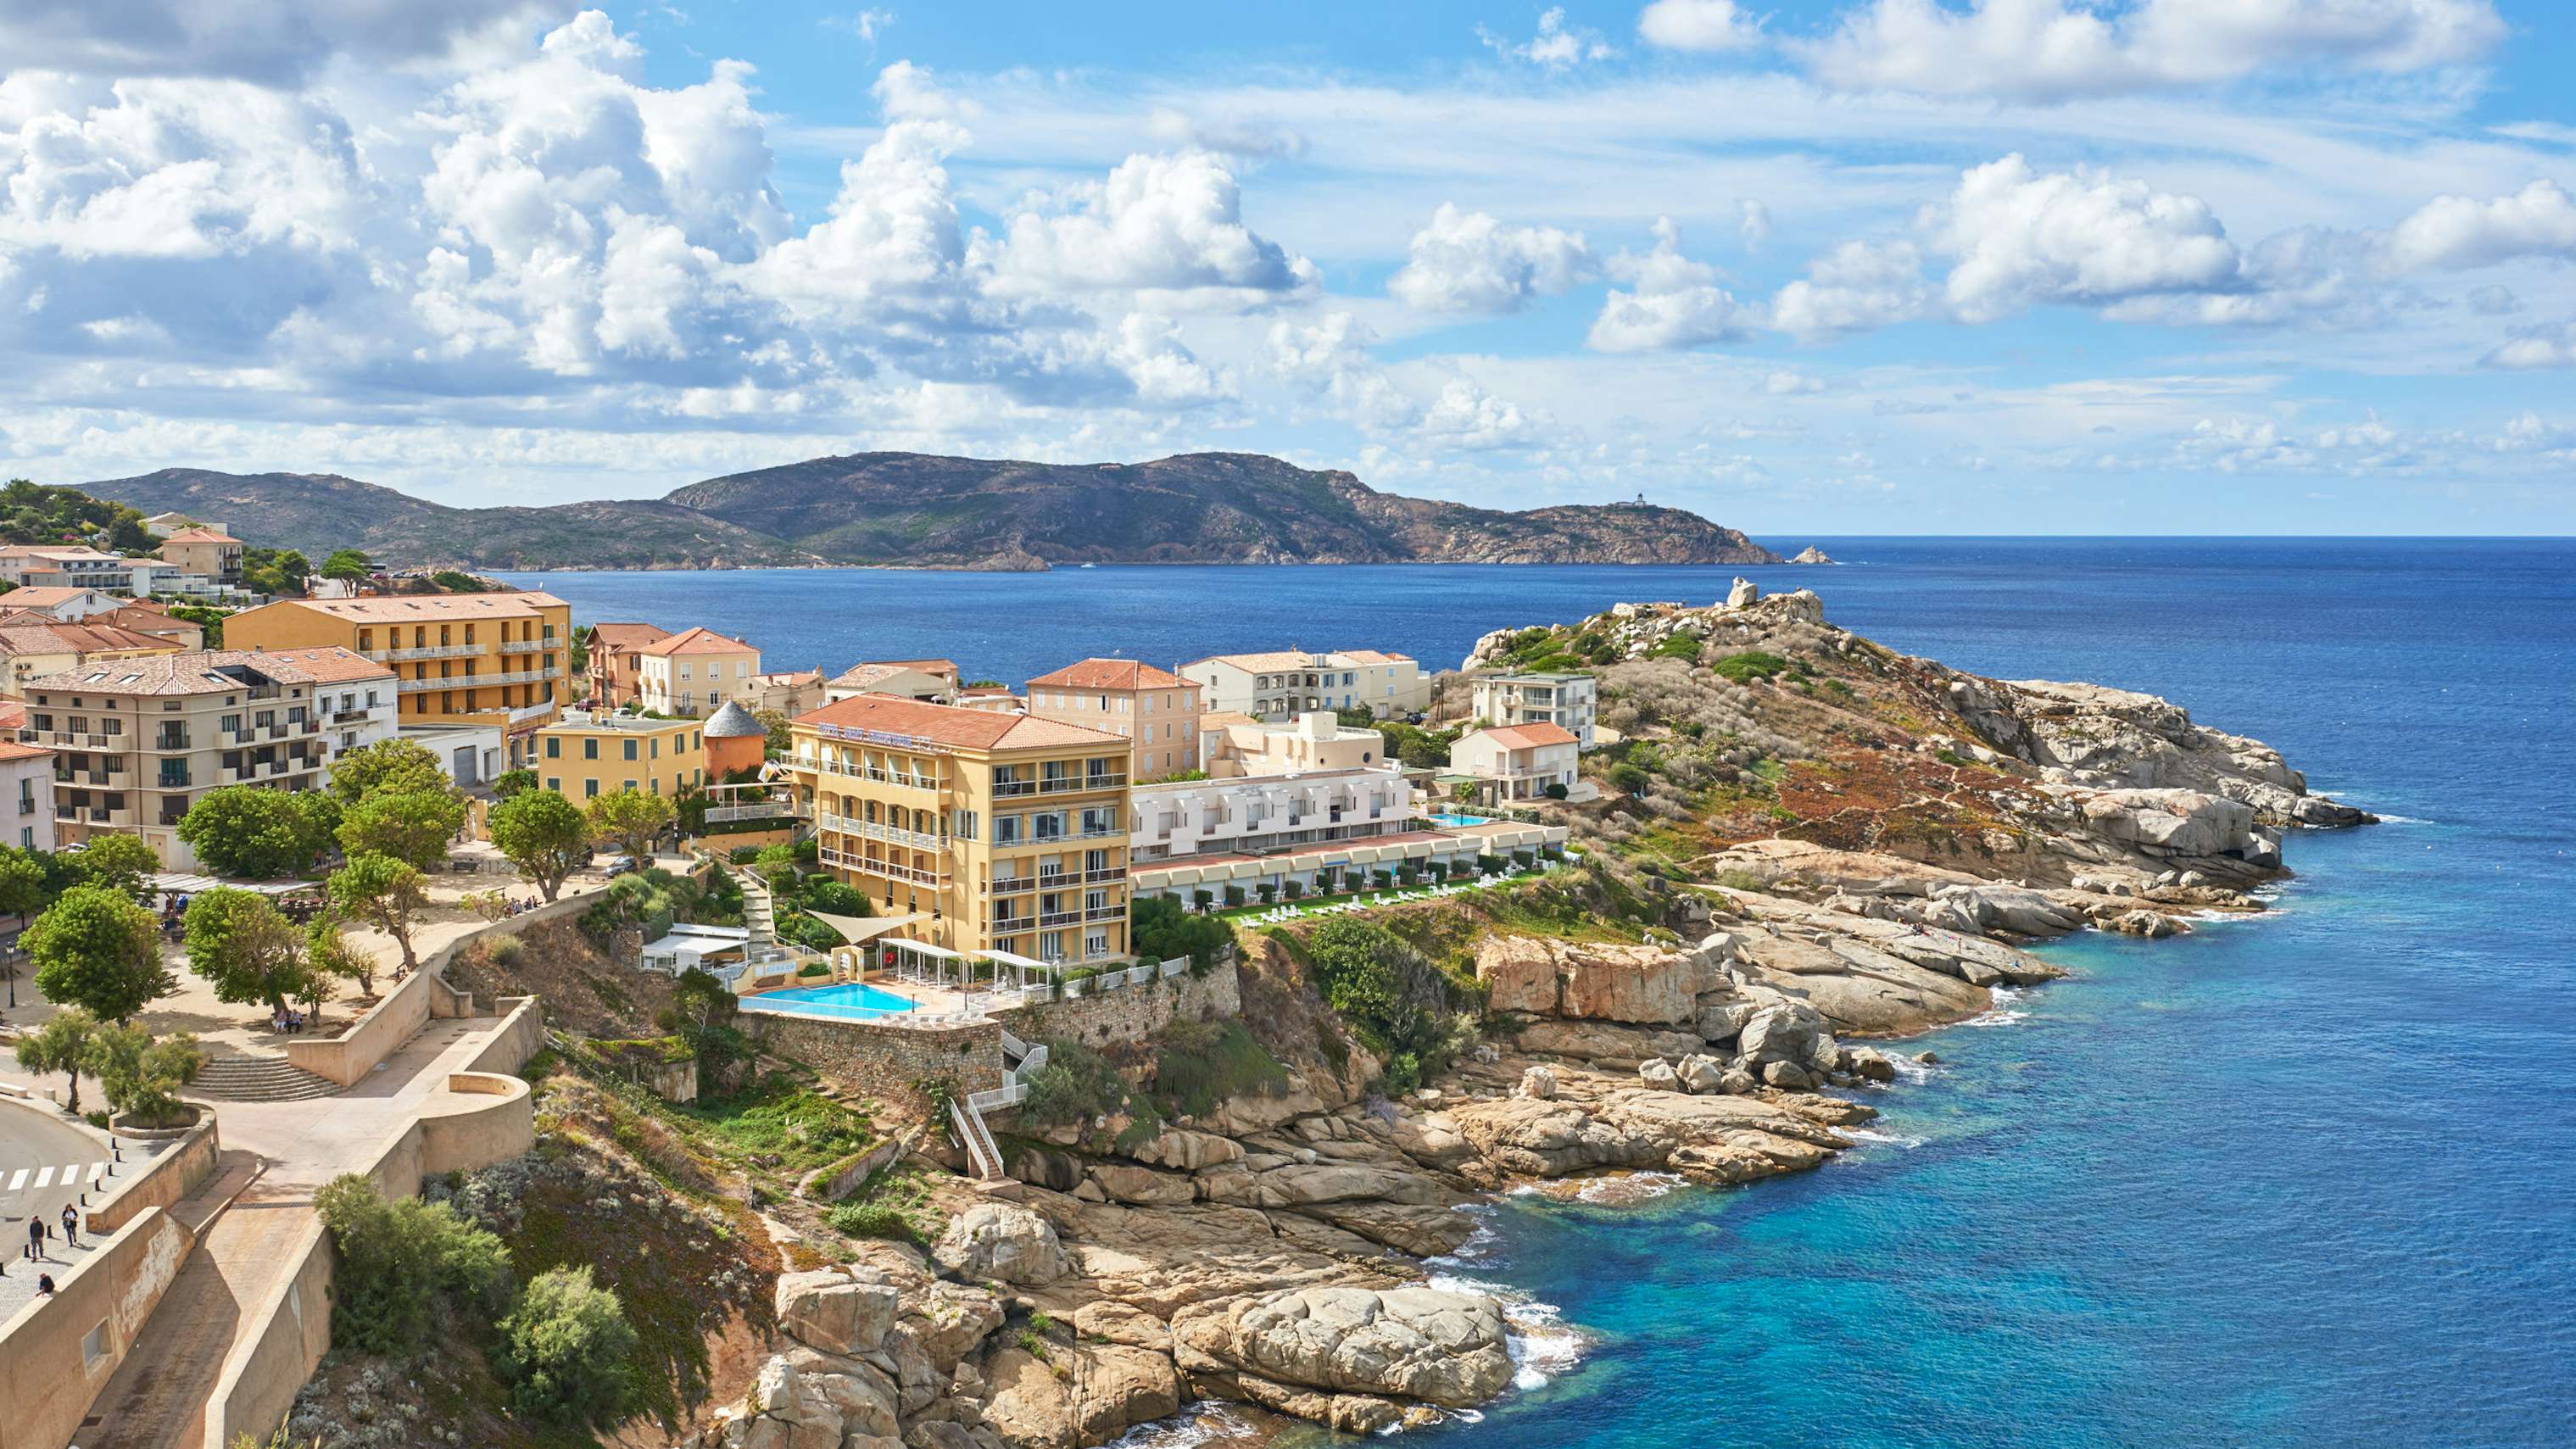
(525, 646)
(1105, 913)
(1080, 784)
(898, 778)
(527, 712)
(424, 651)
(866, 865)
(875, 830)
(1110, 873)
(65, 740)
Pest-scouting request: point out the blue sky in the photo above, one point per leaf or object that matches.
(1879, 266)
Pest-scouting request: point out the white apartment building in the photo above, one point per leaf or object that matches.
(27, 795)
(1283, 683)
(695, 672)
(1266, 813)
(1568, 701)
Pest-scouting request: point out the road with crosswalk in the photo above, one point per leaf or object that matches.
(47, 1162)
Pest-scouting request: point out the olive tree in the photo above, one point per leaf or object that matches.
(96, 949)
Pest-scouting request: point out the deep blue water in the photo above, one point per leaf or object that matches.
(2308, 1179)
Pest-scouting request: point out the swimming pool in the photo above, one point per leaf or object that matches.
(1455, 822)
(850, 1001)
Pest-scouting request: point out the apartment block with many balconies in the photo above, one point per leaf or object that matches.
(492, 659)
(137, 741)
(1284, 683)
(997, 832)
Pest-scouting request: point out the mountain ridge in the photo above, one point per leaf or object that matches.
(926, 510)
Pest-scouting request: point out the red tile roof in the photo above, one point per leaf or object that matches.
(955, 726)
(1529, 736)
(331, 664)
(1109, 674)
(696, 641)
(626, 636)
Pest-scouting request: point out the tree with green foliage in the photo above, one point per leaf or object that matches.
(415, 826)
(245, 947)
(329, 955)
(120, 863)
(25, 888)
(395, 766)
(545, 835)
(456, 581)
(782, 731)
(61, 1045)
(396, 1259)
(205, 617)
(251, 833)
(94, 948)
(384, 892)
(349, 565)
(141, 1076)
(568, 1351)
(511, 782)
(632, 819)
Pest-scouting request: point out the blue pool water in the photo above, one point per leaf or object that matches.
(2302, 1180)
(1455, 822)
(852, 1001)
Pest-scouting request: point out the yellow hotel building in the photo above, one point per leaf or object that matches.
(584, 756)
(487, 659)
(1002, 832)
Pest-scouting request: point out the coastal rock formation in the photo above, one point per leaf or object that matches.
(999, 1240)
(1414, 1343)
(1811, 555)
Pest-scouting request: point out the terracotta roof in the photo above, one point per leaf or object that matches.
(626, 636)
(1109, 674)
(790, 677)
(1375, 656)
(946, 668)
(156, 622)
(45, 635)
(696, 641)
(197, 673)
(12, 750)
(13, 713)
(62, 551)
(1528, 736)
(861, 676)
(148, 606)
(953, 725)
(201, 534)
(732, 722)
(45, 598)
(424, 608)
(331, 664)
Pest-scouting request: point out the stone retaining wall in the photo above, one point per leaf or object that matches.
(60, 1351)
(884, 1061)
(1131, 1013)
(173, 1175)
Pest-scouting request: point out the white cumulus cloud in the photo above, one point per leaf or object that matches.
(1467, 261)
(1671, 302)
(1698, 25)
(1163, 223)
(2024, 238)
(1852, 288)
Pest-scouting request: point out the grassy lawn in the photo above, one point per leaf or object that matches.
(1368, 897)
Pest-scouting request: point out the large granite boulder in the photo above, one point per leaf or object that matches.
(1002, 1241)
(1591, 981)
(1414, 1343)
(838, 1310)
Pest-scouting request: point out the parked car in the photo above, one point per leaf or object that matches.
(620, 865)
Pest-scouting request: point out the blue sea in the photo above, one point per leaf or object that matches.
(2306, 1179)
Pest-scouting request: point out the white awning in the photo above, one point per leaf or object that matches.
(855, 929)
(171, 883)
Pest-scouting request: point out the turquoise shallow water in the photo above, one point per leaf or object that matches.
(2302, 1180)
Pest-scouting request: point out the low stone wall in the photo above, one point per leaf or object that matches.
(482, 1118)
(1132, 1013)
(171, 1176)
(57, 1353)
(260, 1379)
(884, 1061)
(521, 1032)
(397, 1018)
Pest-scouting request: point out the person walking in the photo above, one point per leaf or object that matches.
(36, 1240)
(71, 1226)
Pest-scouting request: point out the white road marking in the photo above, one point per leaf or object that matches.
(19, 1180)
(45, 1178)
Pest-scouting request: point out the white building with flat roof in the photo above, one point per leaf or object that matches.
(1266, 812)
(1236, 745)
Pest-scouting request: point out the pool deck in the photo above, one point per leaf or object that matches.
(930, 1003)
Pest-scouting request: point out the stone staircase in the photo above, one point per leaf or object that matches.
(759, 914)
(244, 1078)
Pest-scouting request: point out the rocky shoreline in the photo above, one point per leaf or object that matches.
(1271, 1251)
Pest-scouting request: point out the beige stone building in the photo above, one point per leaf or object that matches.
(32, 646)
(493, 659)
(1155, 708)
(1235, 745)
(208, 551)
(996, 832)
(695, 672)
(927, 681)
(1514, 764)
(136, 741)
(615, 661)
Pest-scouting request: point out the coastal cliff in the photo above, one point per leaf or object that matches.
(924, 511)
(1813, 853)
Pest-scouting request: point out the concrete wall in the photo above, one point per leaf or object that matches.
(348, 1057)
(173, 1175)
(1131, 1013)
(57, 1353)
(521, 1032)
(884, 1060)
(481, 1119)
(260, 1379)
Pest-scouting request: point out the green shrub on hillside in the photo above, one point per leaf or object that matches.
(1199, 1064)
(397, 1260)
(567, 1350)
(1750, 667)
